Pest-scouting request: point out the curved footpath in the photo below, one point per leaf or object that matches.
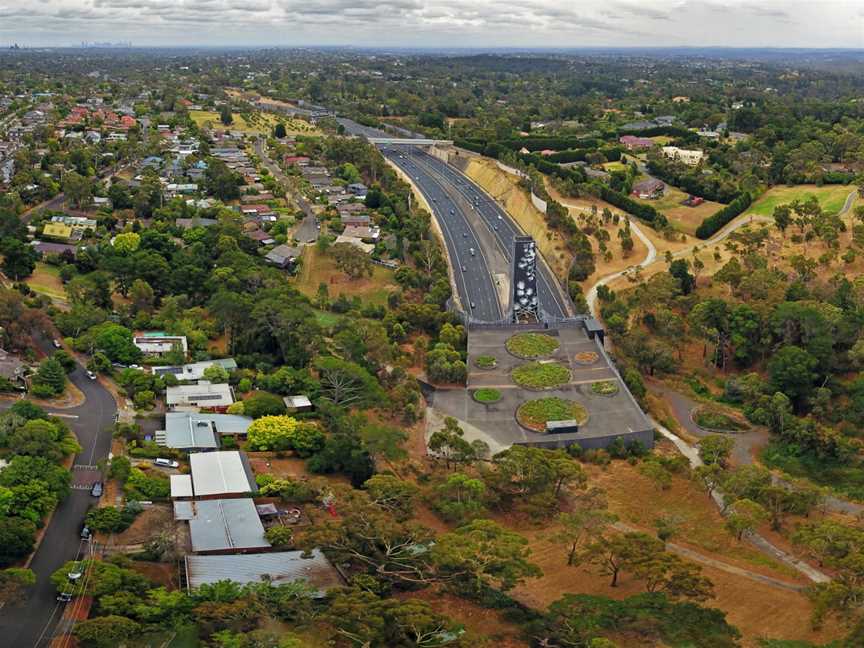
(651, 257)
(32, 623)
(746, 445)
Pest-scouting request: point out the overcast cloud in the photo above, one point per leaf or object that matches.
(437, 23)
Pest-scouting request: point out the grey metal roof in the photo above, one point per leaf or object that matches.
(195, 370)
(221, 473)
(280, 567)
(195, 430)
(226, 525)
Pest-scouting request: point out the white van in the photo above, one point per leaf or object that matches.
(165, 463)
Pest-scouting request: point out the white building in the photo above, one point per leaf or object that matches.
(691, 157)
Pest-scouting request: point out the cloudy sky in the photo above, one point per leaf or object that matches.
(437, 23)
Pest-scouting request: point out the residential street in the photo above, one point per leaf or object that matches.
(32, 623)
(307, 231)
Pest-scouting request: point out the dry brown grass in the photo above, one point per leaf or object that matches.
(318, 268)
(516, 200)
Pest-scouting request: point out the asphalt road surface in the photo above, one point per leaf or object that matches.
(491, 215)
(474, 281)
(307, 231)
(32, 623)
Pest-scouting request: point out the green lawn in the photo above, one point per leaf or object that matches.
(534, 414)
(830, 197)
(532, 345)
(541, 375)
(45, 280)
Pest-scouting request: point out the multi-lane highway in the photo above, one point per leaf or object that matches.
(485, 212)
(474, 226)
(473, 277)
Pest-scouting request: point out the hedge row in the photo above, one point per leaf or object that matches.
(555, 143)
(669, 131)
(611, 153)
(719, 219)
(642, 211)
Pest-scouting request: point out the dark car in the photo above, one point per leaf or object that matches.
(96, 490)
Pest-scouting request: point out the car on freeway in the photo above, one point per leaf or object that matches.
(452, 211)
(472, 306)
(96, 490)
(165, 463)
(464, 269)
(464, 234)
(471, 251)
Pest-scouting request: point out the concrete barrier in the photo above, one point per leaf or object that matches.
(538, 202)
(511, 170)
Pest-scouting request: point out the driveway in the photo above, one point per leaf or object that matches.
(32, 623)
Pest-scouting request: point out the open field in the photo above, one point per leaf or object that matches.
(684, 218)
(830, 197)
(318, 268)
(258, 122)
(505, 188)
(45, 280)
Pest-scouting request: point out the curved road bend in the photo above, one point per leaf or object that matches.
(32, 624)
(499, 223)
(473, 277)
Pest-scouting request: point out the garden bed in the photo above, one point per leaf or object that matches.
(486, 395)
(715, 421)
(534, 414)
(586, 358)
(532, 345)
(485, 362)
(605, 388)
(541, 375)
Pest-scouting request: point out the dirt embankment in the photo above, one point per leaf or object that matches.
(505, 188)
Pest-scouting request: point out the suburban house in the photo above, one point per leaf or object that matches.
(157, 343)
(279, 567)
(215, 475)
(357, 188)
(12, 368)
(222, 526)
(194, 370)
(196, 431)
(355, 231)
(260, 237)
(691, 157)
(215, 396)
(57, 231)
(46, 247)
(283, 255)
(634, 143)
(649, 189)
(189, 223)
(296, 160)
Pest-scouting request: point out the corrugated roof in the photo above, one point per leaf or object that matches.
(220, 473)
(222, 525)
(280, 567)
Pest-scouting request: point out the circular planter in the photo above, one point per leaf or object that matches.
(534, 414)
(486, 395)
(538, 376)
(604, 388)
(531, 346)
(485, 362)
(586, 358)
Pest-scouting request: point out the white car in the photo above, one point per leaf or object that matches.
(56, 343)
(91, 375)
(165, 463)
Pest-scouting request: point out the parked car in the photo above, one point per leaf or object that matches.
(96, 490)
(64, 597)
(166, 463)
(56, 343)
(91, 375)
(85, 532)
